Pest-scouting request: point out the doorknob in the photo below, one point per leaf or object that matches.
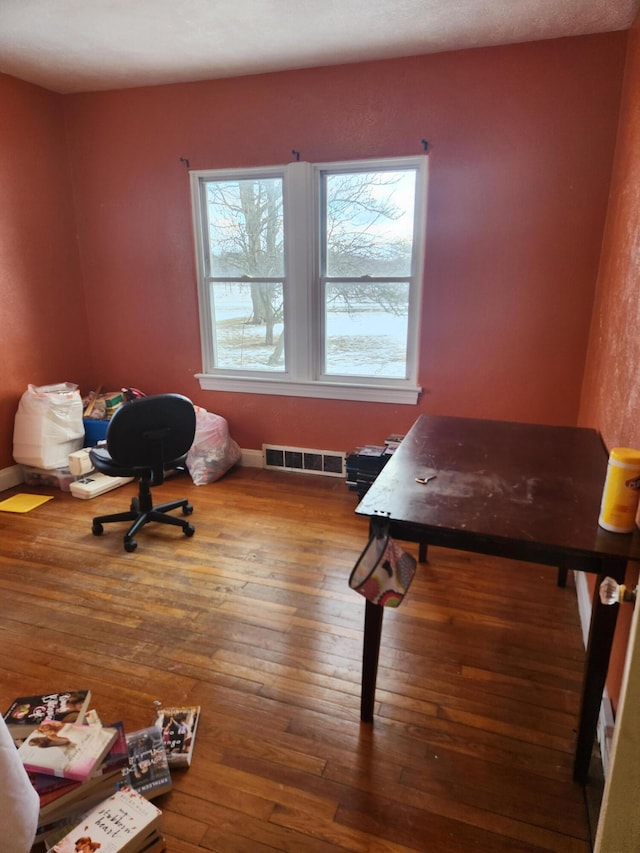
(612, 592)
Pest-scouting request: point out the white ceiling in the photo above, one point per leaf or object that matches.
(90, 45)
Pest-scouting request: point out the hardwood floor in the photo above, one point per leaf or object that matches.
(478, 689)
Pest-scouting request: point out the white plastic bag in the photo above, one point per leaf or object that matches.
(213, 450)
(48, 425)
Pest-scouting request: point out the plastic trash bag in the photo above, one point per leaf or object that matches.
(213, 450)
(48, 425)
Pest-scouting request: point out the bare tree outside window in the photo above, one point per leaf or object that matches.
(368, 243)
(369, 223)
(246, 246)
(365, 267)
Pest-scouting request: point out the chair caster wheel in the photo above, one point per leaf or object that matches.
(189, 530)
(97, 529)
(187, 510)
(130, 545)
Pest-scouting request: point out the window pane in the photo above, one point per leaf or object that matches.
(248, 326)
(366, 329)
(245, 228)
(369, 223)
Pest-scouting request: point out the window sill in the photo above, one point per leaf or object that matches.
(320, 390)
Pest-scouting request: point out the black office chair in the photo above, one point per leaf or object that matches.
(146, 438)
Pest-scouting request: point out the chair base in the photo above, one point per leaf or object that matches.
(142, 512)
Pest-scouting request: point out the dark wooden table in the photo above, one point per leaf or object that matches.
(523, 491)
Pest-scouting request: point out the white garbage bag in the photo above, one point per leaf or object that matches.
(48, 425)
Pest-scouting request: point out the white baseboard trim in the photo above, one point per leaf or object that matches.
(606, 719)
(10, 477)
(252, 459)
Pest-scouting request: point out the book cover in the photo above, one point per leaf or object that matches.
(153, 843)
(121, 824)
(148, 771)
(179, 725)
(67, 750)
(25, 713)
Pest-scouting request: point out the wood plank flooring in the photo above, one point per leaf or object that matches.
(472, 744)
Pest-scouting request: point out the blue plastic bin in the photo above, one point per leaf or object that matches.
(94, 431)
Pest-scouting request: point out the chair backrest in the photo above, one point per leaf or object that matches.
(152, 432)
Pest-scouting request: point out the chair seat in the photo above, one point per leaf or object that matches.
(104, 462)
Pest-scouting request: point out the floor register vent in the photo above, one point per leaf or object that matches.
(327, 462)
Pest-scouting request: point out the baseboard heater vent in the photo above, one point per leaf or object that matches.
(327, 462)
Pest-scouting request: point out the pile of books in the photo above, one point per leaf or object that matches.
(365, 463)
(98, 780)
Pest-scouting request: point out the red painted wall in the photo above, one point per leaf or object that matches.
(97, 278)
(43, 332)
(611, 394)
(522, 141)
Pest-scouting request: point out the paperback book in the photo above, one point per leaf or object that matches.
(118, 756)
(153, 843)
(78, 801)
(61, 795)
(148, 770)
(178, 725)
(49, 787)
(67, 750)
(26, 713)
(124, 823)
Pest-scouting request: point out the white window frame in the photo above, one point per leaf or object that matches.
(304, 310)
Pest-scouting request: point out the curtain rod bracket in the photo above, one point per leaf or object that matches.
(185, 161)
(296, 154)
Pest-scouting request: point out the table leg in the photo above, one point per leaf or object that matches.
(370, 654)
(601, 631)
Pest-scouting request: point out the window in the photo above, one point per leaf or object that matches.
(310, 277)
